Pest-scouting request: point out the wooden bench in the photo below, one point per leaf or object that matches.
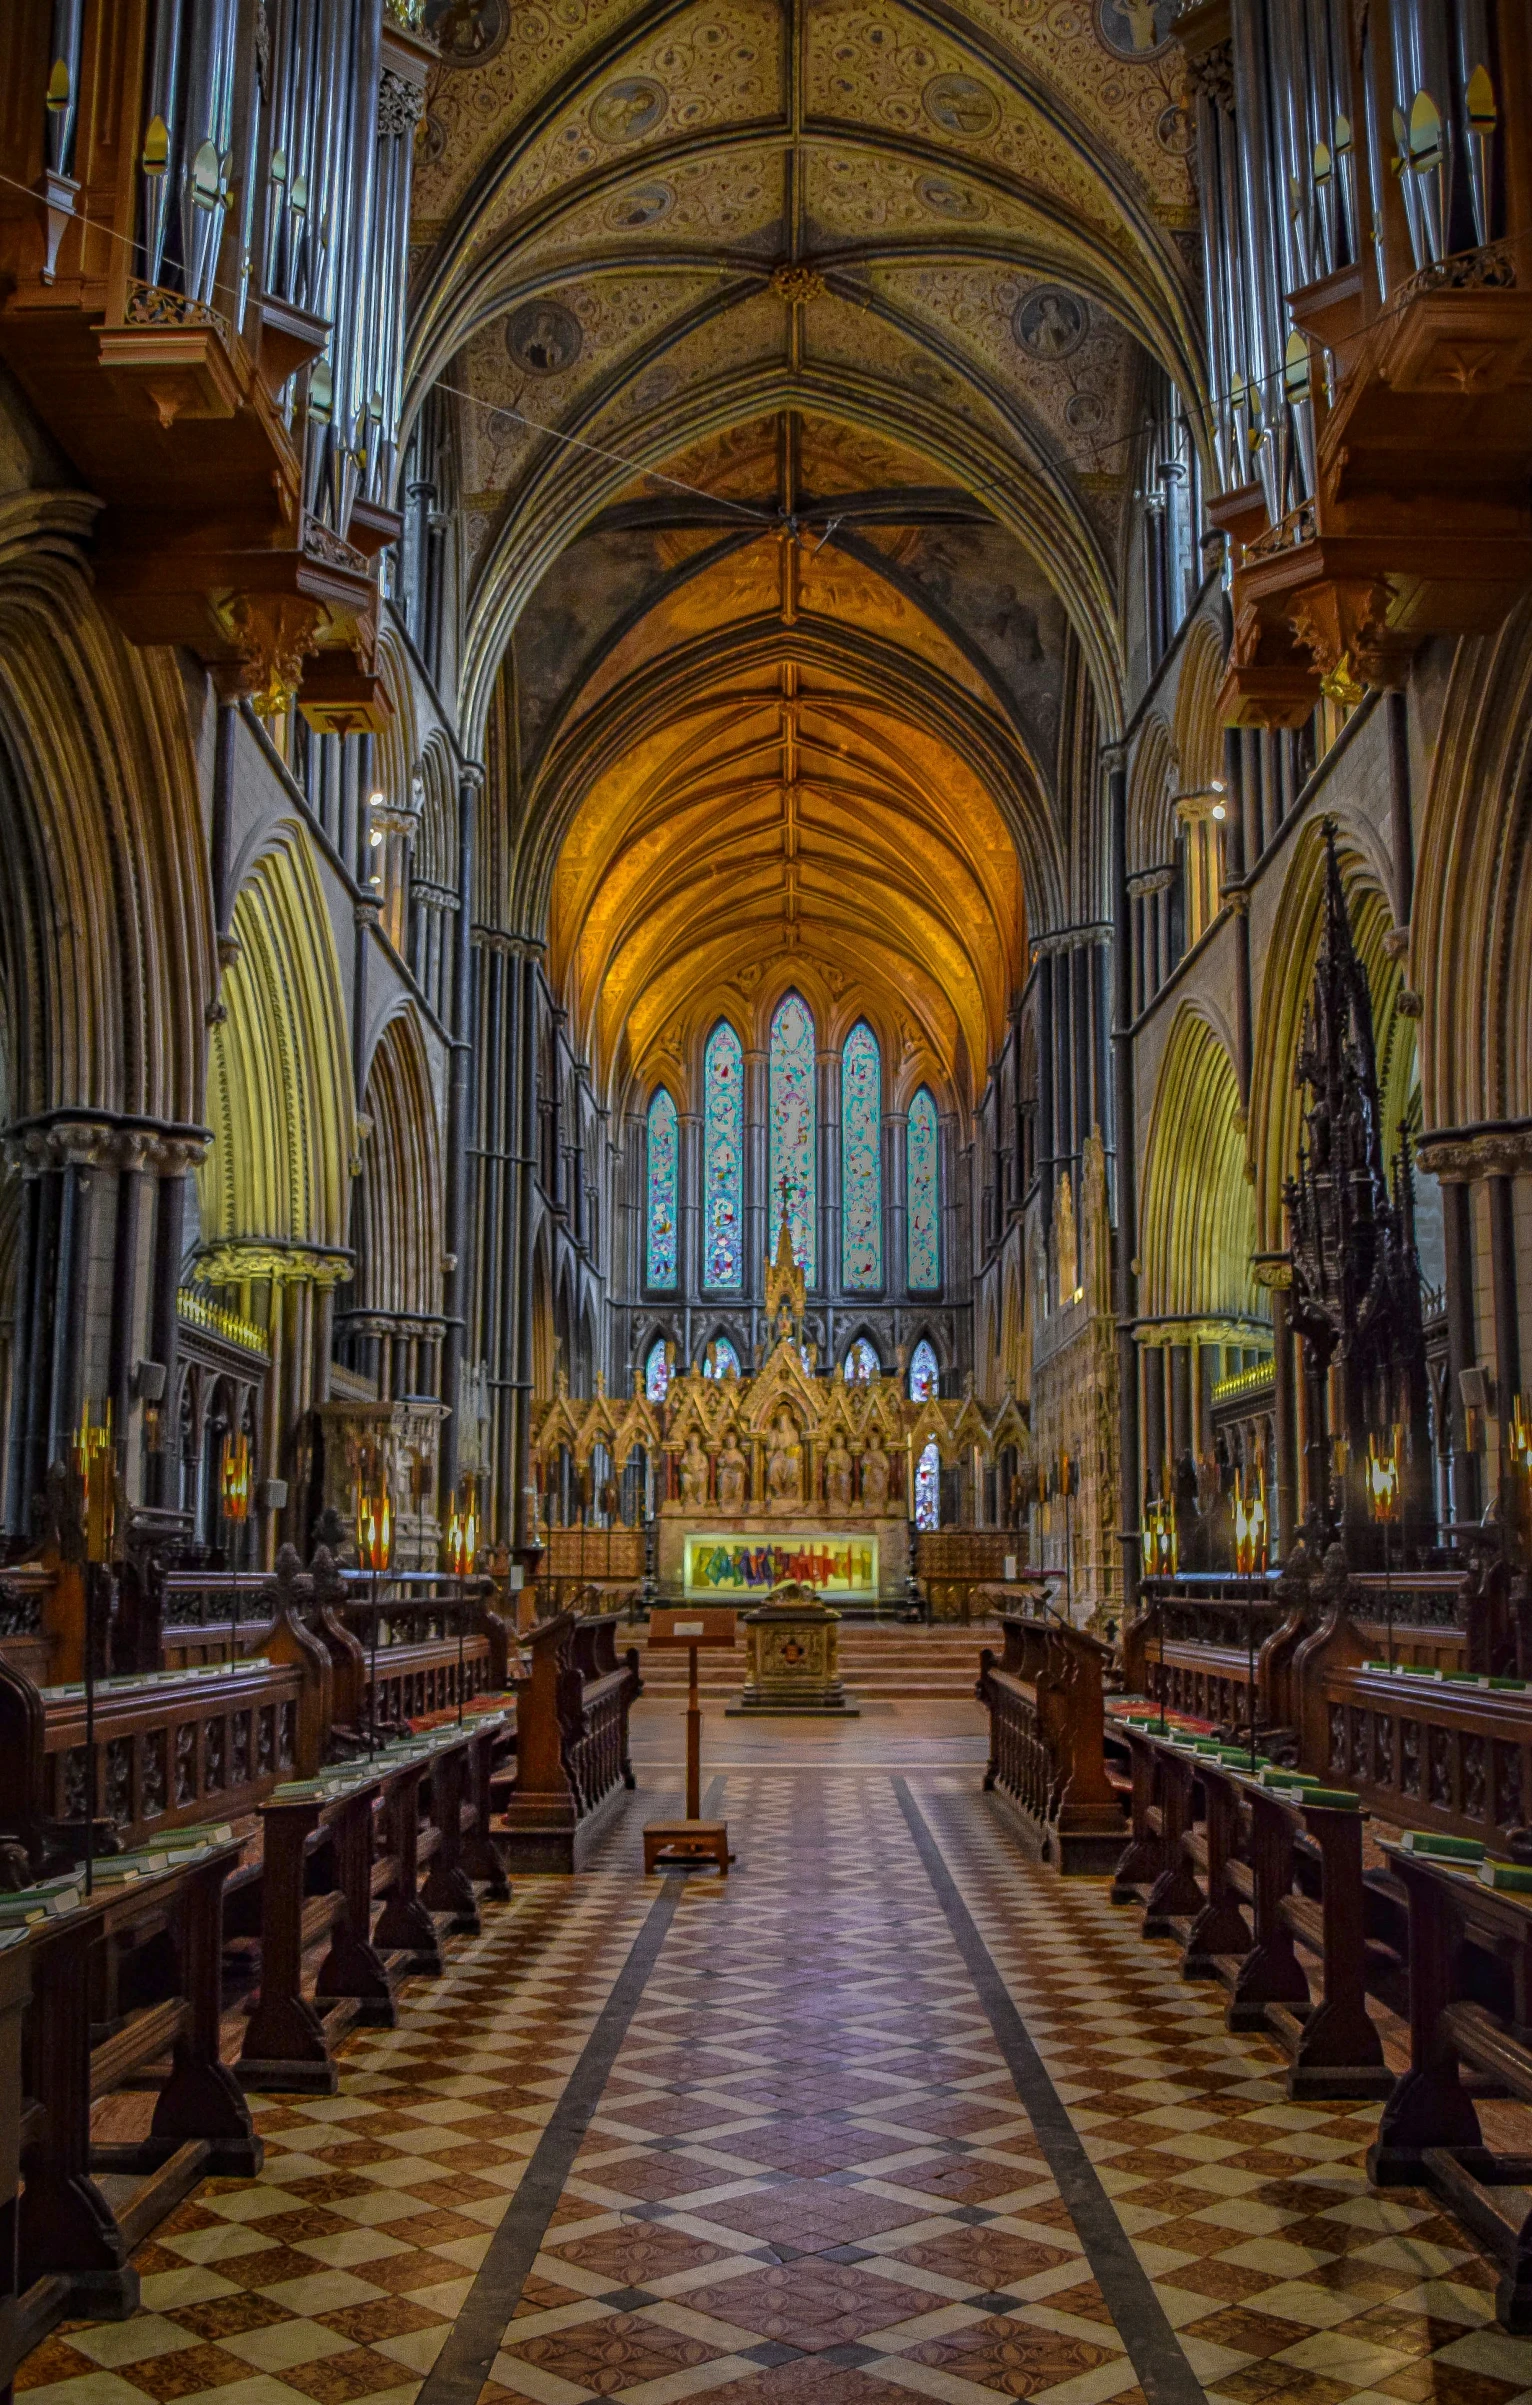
(572, 1757)
(125, 1985)
(1245, 1877)
(1470, 1980)
(1046, 1744)
(406, 1833)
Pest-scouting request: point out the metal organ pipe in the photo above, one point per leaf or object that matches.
(207, 132)
(160, 96)
(62, 96)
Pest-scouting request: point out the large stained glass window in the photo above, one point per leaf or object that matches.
(925, 1235)
(792, 1127)
(928, 1487)
(861, 1364)
(925, 1376)
(723, 1151)
(656, 1371)
(720, 1359)
(660, 1266)
(861, 1153)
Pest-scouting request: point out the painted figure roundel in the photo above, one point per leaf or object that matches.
(1138, 29)
(1049, 322)
(961, 105)
(628, 109)
(468, 32)
(544, 338)
(644, 205)
(946, 199)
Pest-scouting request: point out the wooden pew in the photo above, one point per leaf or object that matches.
(572, 1759)
(1197, 1639)
(1243, 1876)
(334, 1849)
(122, 1980)
(20, 2129)
(1470, 1979)
(1047, 1747)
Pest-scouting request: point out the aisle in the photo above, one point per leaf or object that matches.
(807, 2139)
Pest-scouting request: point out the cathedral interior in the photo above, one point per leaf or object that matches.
(766, 968)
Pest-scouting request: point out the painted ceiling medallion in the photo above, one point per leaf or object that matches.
(1084, 411)
(544, 338)
(961, 106)
(946, 199)
(645, 205)
(468, 32)
(1138, 29)
(1049, 322)
(628, 109)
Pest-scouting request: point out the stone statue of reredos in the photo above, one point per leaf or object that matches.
(733, 1479)
(694, 1475)
(784, 1468)
(875, 1467)
(838, 1474)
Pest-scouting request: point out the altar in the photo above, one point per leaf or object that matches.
(784, 1476)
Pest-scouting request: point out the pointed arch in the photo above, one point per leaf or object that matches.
(397, 1217)
(1197, 1228)
(280, 1097)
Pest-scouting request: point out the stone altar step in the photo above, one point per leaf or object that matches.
(876, 1661)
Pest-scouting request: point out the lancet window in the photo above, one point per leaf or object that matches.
(861, 1363)
(924, 1197)
(861, 1137)
(792, 1118)
(657, 1371)
(660, 1260)
(721, 1358)
(925, 1375)
(928, 1487)
(723, 1143)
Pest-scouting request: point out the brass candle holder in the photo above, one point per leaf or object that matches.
(95, 1462)
(461, 1546)
(1384, 1504)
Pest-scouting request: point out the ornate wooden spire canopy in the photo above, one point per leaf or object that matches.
(1356, 1274)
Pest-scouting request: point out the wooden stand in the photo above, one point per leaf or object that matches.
(679, 1844)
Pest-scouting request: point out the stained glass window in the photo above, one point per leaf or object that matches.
(925, 1375)
(660, 1269)
(792, 1126)
(925, 1237)
(656, 1372)
(928, 1487)
(861, 1363)
(723, 1145)
(721, 1359)
(861, 1154)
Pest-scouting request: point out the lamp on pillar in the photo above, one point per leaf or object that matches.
(374, 1544)
(234, 1503)
(96, 1469)
(1383, 1500)
(461, 1546)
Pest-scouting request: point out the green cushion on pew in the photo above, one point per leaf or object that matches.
(1340, 1799)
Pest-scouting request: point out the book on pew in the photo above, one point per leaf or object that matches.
(1435, 1848)
(1273, 1775)
(48, 1901)
(1507, 1878)
(1340, 1799)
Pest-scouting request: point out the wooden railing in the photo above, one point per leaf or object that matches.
(1046, 1757)
(572, 1760)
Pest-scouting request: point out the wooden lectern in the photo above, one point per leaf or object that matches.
(676, 1844)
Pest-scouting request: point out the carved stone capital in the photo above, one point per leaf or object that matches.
(252, 1260)
(274, 633)
(1496, 1152)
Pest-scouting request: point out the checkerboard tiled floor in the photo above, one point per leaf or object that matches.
(809, 2177)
